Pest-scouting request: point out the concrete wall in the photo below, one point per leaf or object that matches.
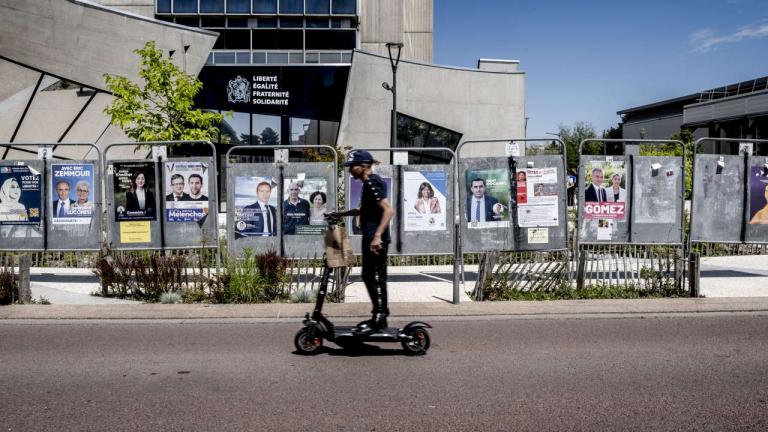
(405, 21)
(141, 7)
(81, 40)
(478, 104)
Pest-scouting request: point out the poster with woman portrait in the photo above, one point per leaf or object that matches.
(186, 191)
(305, 202)
(255, 206)
(72, 194)
(21, 196)
(758, 195)
(134, 191)
(424, 201)
(355, 193)
(487, 204)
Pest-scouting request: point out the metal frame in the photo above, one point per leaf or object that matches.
(456, 244)
(280, 191)
(457, 222)
(161, 219)
(98, 160)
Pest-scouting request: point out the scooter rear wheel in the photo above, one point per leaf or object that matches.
(416, 342)
(306, 343)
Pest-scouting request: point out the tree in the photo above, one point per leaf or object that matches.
(162, 107)
(573, 136)
(269, 137)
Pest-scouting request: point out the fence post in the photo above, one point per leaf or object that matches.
(25, 293)
(580, 264)
(694, 278)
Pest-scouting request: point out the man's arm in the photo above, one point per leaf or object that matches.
(385, 218)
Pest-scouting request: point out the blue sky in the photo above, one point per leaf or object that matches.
(585, 60)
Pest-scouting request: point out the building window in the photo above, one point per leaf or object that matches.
(344, 7)
(266, 130)
(213, 22)
(291, 6)
(163, 6)
(211, 6)
(238, 6)
(237, 22)
(188, 21)
(300, 132)
(277, 39)
(237, 39)
(291, 23)
(265, 6)
(266, 23)
(184, 6)
(318, 7)
(331, 39)
(341, 23)
(415, 133)
(317, 22)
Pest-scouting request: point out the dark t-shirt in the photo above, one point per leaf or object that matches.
(374, 190)
(295, 215)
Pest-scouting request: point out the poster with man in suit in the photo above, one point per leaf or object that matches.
(255, 207)
(487, 204)
(72, 194)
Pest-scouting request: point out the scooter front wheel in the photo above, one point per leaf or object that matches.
(416, 341)
(307, 343)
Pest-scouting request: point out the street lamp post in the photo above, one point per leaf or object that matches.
(394, 50)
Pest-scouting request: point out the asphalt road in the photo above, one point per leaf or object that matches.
(695, 372)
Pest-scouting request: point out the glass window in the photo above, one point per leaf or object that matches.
(211, 6)
(415, 133)
(184, 6)
(312, 58)
(238, 6)
(330, 58)
(318, 7)
(331, 39)
(212, 22)
(237, 39)
(277, 58)
(163, 6)
(265, 6)
(244, 58)
(291, 23)
(346, 7)
(209, 60)
(165, 18)
(236, 129)
(237, 22)
(188, 21)
(266, 130)
(346, 57)
(224, 58)
(317, 22)
(296, 58)
(341, 23)
(264, 39)
(299, 131)
(291, 7)
(259, 57)
(267, 23)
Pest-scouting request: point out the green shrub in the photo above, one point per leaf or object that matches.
(9, 286)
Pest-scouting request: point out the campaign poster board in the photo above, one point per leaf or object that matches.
(134, 191)
(606, 203)
(758, 195)
(21, 197)
(355, 194)
(425, 201)
(658, 188)
(717, 208)
(487, 203)
(186, 191)
(255, 206)
(305, 202)
(72, 193)
(537, 199)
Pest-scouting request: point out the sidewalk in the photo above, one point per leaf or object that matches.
(543, 309)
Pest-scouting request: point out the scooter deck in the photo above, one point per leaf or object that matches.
(389, 334)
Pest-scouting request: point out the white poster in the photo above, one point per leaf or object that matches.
(424, 201)
(538, 206)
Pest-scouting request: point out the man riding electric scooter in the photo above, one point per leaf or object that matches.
(375, 212)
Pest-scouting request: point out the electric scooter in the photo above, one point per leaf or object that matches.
(414, 337)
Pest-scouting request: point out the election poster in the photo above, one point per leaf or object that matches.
(306, 200)
(487, 203)
(21, 195)
(605, 193)
(424, 200)
(255, 206)
(537, 200)
(655, 194)
(355, 194)
(72, 193)
(134, 191)
(758, 195)
(186, 191)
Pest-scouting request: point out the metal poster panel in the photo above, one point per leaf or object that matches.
(186, 191)
(484, 197)
(74, 206)
(541, 214)
(305, 203)
(658, 201)
(72, 193)
(189, 213)
(302, 234)
(255, 206)
(425, 196)
(717, 210)
(757, 215)
(427, 209)
(20, 195)
(604, 199)
(133, 188)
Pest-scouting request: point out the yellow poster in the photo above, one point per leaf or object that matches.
(135, 232)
